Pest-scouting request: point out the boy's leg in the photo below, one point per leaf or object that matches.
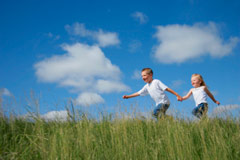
(160, 110)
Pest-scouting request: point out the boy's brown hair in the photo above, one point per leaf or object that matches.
(148, 70)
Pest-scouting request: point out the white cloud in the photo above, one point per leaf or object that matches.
(134, 46)
(106, 38)
(5, 92)
(224, 109)
(54, 37)
(87, 99)
(137, 74)
(55, 116)
(83, 68)
(103, 38)
(177, 83)
(78, 29)
(179, 43)
(141, 17)
(106, 86)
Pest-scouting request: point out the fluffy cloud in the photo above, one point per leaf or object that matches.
(52, 36)
(134, 46)
(55, 116)
(179, 43)
(87, 99)
(136, 74)
(225, 109)
(106, 38)
(177, 83)
(83, 68)
(5, 92)
(103, 38)
(141, 17)
(106, 86)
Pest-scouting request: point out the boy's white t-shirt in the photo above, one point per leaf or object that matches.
(199, 95)
(156, 90)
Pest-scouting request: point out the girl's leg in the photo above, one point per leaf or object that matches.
(200, 110)
(196, 112)
(204, 109)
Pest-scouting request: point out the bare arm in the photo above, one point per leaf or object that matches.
(187, 95)
(179, 98)
(211, 96)
(131, 96)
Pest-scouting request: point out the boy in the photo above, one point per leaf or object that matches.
(155, 88)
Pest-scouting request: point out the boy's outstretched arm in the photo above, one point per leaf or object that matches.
(131, 96)
(179, 98)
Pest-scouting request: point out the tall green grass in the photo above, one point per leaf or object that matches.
(120, 138)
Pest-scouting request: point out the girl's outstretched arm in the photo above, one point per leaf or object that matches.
(187, 95)
(211, 96)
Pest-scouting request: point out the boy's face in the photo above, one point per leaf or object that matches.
(146, 77)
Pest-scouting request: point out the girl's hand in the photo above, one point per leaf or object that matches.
(179, 98)
(218, 103)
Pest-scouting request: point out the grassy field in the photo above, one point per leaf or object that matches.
(119, 138)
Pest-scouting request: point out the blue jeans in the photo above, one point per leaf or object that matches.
(200, 110)
(160, 110)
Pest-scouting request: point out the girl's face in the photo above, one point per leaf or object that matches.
(196, 82)
(146, 77)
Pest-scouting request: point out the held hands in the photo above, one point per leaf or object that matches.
(179, 98)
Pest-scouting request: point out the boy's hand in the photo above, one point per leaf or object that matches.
(217, 102)
(125, 97)
(179, 98)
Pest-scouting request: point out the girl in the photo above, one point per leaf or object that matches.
(200, 92)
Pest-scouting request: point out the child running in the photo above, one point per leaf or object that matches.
(200, 93)
(155, 88)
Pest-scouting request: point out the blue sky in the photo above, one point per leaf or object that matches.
(92, 52)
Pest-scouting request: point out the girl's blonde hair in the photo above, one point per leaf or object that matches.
(200, 78)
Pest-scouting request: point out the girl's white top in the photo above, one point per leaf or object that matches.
(199, 95)
(156, 90)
